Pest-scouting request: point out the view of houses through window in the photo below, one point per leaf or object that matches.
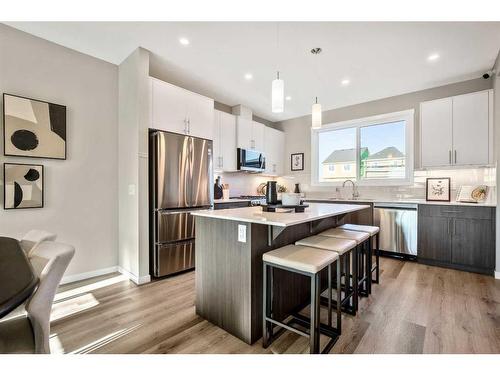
(371, 152)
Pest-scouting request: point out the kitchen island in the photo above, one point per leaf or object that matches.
(229, 247)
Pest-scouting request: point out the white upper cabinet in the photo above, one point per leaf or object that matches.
(258, 135)
(224, 145)
(181, 111)
(470, 129)
(274, 150)
(436, 131)
(244, 132)
(250, 134)
(457, 131)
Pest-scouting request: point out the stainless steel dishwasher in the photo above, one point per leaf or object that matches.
(398, 228)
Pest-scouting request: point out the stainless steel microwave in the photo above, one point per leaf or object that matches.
(250, 160)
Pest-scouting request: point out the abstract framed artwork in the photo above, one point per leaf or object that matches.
(438, 189)
(297, 162)
(23, 186)
(33, 128)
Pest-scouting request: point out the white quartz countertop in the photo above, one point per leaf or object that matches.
(402, 200)
(315, 211)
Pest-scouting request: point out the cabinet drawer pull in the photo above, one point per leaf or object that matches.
(449, 156)
(455, 156)
(451, 212)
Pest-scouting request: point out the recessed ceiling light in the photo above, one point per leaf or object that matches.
(288, 98)
(248, 76)
(184, 41)
(345, 82)
(433, 57)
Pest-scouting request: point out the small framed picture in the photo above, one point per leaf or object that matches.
(297, 162)
(438, 189)
(23, 186)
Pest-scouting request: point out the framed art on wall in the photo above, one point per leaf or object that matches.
(33, 128)
(438, 189)
(297, 162)
(23, 186)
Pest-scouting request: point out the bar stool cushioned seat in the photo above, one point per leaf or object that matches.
(302, 258)
(361, 228)
(338, 245)
(359, 237)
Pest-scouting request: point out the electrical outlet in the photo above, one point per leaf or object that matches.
(242, 233)
(131, 189)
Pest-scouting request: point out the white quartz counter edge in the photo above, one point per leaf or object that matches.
(231, 200)
(315, 211)
(414, 201)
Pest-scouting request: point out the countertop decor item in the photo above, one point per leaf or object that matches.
(271, 192)
(225, 191)
(297, 162)
(33, 128)
(23, 186)
(297, 188)
(261, 189)
(290, 199)
(217, 189)
(472, 194)
(292, 207)
(438, 189)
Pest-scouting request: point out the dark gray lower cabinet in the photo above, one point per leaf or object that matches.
(461, 237)
(433, 238)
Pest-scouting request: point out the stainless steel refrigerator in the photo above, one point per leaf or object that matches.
(180, 182)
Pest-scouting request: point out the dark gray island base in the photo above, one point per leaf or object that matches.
(229, 272)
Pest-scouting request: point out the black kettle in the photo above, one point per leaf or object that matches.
(271, 192)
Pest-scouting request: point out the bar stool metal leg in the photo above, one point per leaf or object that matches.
(377, 258)
(339, 300)
(267, 326)
(314, 330)
(330, 294)
(355, 279)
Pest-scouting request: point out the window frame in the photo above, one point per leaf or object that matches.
(406, 115)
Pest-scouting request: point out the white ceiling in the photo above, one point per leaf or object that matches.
(379, 59)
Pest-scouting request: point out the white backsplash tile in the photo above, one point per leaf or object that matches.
(459, 177)
(241, 183)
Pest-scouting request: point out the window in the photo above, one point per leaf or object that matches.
(374, 151)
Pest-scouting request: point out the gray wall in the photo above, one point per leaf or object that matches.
(298, 130)
(81, 203)
(496, 112)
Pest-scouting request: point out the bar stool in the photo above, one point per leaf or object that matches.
(374, 232)
(364, 255)
(310, 262)
(346, 250)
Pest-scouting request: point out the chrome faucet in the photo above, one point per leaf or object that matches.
(355, 193)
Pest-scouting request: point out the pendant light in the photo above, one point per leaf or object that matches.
(278, 95)
(278, 85)
(316, 107)
(316, 115)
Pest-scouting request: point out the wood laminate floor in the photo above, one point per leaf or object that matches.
(415, 309)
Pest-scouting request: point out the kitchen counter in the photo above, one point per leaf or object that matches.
(229, 247)
(230, 200)
(396, 200)
(315, 211)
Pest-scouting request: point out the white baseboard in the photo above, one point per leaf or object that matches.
(87, 275)
(136, 279)
(497, 275)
